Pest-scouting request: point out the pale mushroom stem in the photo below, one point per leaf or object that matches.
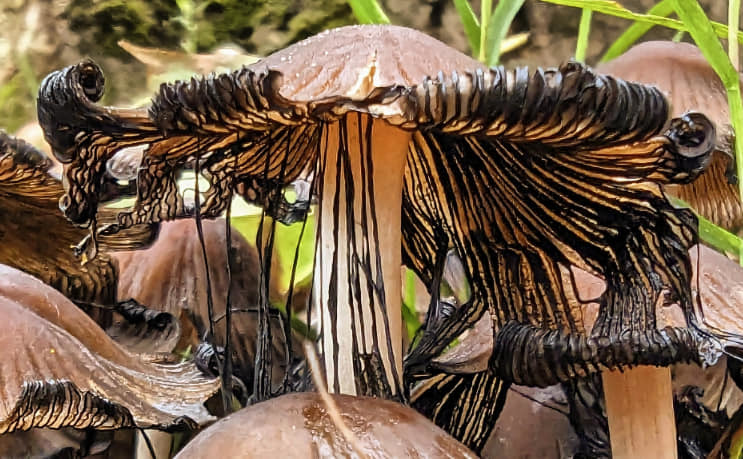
(639, 406)
(358, 256)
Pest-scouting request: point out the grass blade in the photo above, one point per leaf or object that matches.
(636, 30)
(714, 236)
(733, 26)
(470, 23)
(583, 31)
(368, 12)
(612, 8)
(497, 29)
(486, 10)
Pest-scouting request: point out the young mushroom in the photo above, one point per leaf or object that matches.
(691, 84)
(299, 426)
(416, 148)
(171, 274)
(65, 371)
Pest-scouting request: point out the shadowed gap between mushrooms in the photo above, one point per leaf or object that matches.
(525, 175)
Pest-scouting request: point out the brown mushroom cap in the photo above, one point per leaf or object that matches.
(298, 426)
(170, 276)
(66, 372)
(353, 61)
(691, 84)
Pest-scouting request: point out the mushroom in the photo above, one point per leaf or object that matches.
(462, 377)
(36, 238)
(171, 275)
(65, 372)
(298, 426)
(525, 175)
(691, 84)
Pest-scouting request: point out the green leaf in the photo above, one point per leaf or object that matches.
(497, 29)
(470, 23)
(285, 244)
(368, 12)
(409, 313)
(613, 8)
(636, 30)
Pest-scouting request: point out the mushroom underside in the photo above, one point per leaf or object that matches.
(36, 239)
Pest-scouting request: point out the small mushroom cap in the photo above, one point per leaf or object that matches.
(298, 426)
(719, 282)
(171, 276)
(352, 61)
(64, 371)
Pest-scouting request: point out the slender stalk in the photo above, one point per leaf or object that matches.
(583, 31)
(357, 282)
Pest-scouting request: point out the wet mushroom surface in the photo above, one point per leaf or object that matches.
(66, 372)
(416, 150)
(298, 426)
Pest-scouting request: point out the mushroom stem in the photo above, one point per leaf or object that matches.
(358, 258)
(639, 405)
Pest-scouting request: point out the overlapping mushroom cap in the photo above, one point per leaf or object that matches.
(299, 426)
(691, 84)
(171, 276)
(525, 175)
(65, 371)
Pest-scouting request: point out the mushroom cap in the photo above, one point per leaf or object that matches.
(170, 276)
(66, 372)
(297, 425)
(352, 61)
(691, 84)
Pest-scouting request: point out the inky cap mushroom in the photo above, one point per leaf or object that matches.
(419, 149)
(65, 371)
(691, 84)
(298, 426)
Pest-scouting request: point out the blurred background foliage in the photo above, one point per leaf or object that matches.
(39, 36)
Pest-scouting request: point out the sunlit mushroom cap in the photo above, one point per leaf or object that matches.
(298, 426)
(691, 84)
(352, 61)
(63, 371)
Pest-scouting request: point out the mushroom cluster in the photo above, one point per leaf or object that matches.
(415, 150)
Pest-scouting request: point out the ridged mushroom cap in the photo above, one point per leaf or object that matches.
(681, 71)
